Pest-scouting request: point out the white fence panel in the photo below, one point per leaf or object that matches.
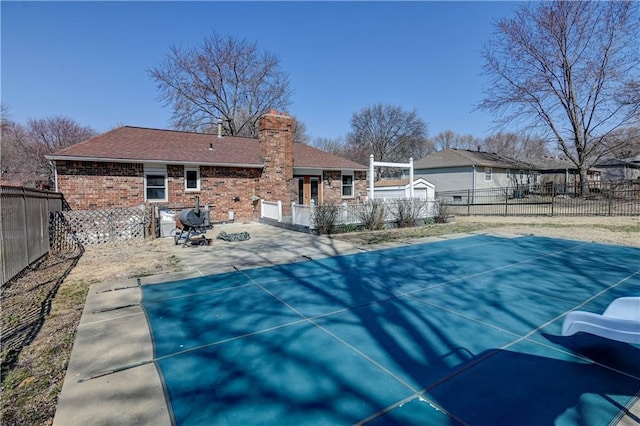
(271, 210)
(302, 215)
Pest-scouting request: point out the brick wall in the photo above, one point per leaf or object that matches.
(222, 188)
(89, 185)
(333, 193)
(276, 147)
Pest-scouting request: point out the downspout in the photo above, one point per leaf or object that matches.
(55, 175)
(473, 186)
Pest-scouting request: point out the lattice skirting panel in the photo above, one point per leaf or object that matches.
(105, 226)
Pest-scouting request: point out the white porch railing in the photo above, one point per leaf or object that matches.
(271, 210)
(302, 215)
(349, 213)
(352, 213)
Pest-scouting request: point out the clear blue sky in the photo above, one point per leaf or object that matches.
(88, 60)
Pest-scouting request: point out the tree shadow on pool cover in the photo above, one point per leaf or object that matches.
(514, 387)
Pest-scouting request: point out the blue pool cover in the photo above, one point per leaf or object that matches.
(463, 331)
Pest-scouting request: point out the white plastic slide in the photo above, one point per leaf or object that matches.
(620, 321)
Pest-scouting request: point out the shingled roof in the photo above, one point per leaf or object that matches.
(305, 156)
(552, 163)
(451, 157)
(144, 145)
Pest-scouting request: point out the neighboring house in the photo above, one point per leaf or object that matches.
(617, 169)
(400, 188)
(462, 170)
(129, 166)
(561, 173)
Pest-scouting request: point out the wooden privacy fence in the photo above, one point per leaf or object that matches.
(35, 223)
(619, 198)
(24, 227)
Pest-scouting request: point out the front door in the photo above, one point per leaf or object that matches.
(309, 189)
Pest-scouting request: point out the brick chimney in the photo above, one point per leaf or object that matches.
(276, 146)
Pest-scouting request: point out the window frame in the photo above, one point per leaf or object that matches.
(186, 181)
(164, 175)
(488, 174)
(351, 185)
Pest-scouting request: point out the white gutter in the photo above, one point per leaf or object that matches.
(330, 169)
(127, 160)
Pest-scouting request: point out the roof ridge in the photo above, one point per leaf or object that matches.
(192, 132)
(464, 155)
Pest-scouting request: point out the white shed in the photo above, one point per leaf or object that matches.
(400, 188)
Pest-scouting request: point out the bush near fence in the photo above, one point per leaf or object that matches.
(372, 215)
(617, 198)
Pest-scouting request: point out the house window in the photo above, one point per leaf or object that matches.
(155, 186)
(192, 179)
(347, 185)
(487, 174)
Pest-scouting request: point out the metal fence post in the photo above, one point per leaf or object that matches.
(469, 202)
(506, 202)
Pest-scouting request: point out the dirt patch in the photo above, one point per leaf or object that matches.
(31, 384)
(41, 310)
(112, 262)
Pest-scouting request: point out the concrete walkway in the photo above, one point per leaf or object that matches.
(267, 246)
(111, 378)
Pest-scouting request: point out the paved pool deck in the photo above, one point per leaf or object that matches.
(114, 333)
(111, 378)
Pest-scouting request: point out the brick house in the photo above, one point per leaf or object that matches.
(129, 166)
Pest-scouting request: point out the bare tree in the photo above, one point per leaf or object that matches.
(54, 133)
(571, 68)
(628, 140)
(334, 146)
(388, 132)
(24, 147)
(513, 145)
(300, 131)
(15, 162)
(224, 79)
(450, 139)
